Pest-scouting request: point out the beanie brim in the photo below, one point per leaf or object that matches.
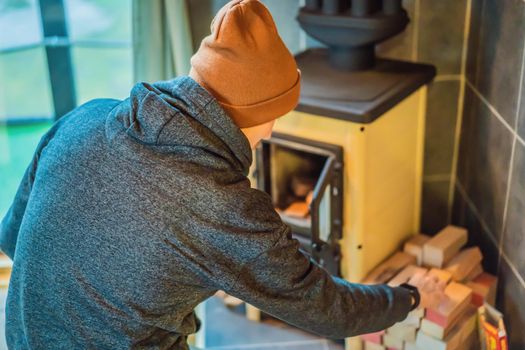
(265, 111)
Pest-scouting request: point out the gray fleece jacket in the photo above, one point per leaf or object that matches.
(133, 212)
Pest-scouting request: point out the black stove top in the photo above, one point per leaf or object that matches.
(358, 96)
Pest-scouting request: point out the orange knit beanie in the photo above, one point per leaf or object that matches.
(245, 65)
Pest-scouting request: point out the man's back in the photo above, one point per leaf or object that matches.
(105, 239)
(133, 212)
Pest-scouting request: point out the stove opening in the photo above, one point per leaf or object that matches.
(304, 180)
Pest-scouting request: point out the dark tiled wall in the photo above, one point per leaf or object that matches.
(490, 187)
(436, 35)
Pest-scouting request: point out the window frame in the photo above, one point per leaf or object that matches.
(57, 45)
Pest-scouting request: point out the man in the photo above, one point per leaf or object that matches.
(133, 212)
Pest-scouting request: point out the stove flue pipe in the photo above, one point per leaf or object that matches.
(362, 8)
(334, 7)
(391, 7)
(313, 5)
(351, 34)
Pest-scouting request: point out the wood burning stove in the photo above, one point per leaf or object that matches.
(305, 180)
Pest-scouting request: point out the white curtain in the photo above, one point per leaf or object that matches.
(162, 43)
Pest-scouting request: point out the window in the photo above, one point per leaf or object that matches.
(54, 56)
(25, 91)
(100, 31)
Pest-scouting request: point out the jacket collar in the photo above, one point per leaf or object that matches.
(206, 109)
(151, 109)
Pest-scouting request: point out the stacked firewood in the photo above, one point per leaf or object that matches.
(453, 324)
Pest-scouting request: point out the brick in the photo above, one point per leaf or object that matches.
(403, 332)
(462, 264)
(411, 346)
(483, 289)
(392, 342)
(404, 275)
(389, 268)
(414, 246)
(376, 338)
(442, 247)
(456, 340)
(373, 346)
(442, 275)
(458, 298)
(412, 320)
(475, 272)
(440, 332)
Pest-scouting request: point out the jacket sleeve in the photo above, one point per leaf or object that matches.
(286, 284)
(10, 225)
(241, 244)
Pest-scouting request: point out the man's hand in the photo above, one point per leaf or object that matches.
(431, 290)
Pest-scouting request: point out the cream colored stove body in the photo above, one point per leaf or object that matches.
(383, 164)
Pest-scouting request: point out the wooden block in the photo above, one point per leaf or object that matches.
(442, 275)
(427, 342)
(389, 268)
(412, 320)
(403, 332)
(297, 209)
(404, 275)
(454, 341)
(475, 272)
(419, 312)
(434, 329)
(438, 250)
(376, 337)
(373, 346)
(472, 342)
(462, 264)
(458, 297)
(414, 246)
(440, 332)
(392, 342)
(483, 289)
(464, 329)
(411, 346)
